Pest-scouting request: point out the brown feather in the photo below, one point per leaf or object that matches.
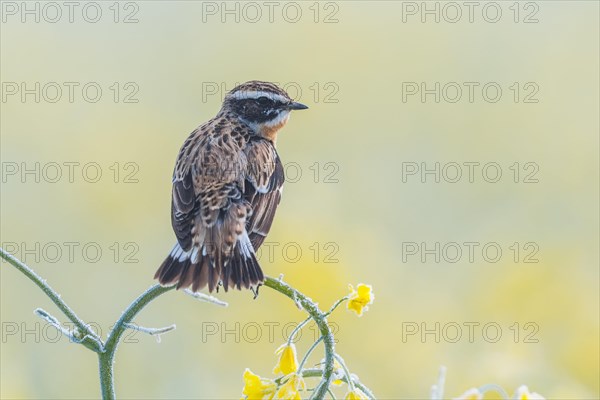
(226, 188)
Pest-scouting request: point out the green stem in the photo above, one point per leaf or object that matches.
(346, 372)
(106, 351)
(321, 321)
(106, 359)
(331, 394)
(89, 338)
(337, 303)
(317, 372)
(314, 346)
(295, 331)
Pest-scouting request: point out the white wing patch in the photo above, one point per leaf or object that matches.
(194, 256)
(178, 254)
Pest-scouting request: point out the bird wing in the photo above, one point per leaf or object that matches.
(264, 182)
(226, 187)
(184, 198)
(184, 207)
(208, 169)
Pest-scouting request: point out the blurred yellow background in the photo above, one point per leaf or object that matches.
(347, 205)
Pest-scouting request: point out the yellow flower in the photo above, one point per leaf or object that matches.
(338, 373)
(288, 362)
(471, 394)
(290, 390)
(355, 395)
(257, 388)
(360, 298)
(524, 394)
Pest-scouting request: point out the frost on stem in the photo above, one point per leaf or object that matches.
(206, 298)
(290, 382)
(75, 335)
(151, 331)
(437, 390)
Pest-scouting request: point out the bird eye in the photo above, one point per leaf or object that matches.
(263, 100)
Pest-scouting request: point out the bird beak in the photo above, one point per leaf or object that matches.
(296, 106)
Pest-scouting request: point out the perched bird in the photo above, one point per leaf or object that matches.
(226, 187)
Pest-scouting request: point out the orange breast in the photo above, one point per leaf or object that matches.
(270, 132)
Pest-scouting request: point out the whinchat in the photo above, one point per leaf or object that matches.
(227, 185)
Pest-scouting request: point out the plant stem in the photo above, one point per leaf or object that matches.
(346, 372)
(295, 331)
(89, 338)
(106, 359)
(308, 353)
(321, 321)
(337, 303)
(106, 351)
(317, 372)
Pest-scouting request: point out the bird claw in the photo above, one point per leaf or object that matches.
(255, 291)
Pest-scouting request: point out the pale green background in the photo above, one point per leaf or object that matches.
(369, 133)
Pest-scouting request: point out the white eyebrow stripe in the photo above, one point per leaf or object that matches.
(255, 94)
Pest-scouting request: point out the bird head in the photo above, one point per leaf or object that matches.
(261, 105)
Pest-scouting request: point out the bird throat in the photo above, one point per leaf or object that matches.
(269, 129)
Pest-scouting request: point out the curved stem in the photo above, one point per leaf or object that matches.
(88, 338)
(321, 321)
(346, 372)
(106, 358)
(297, 329)
(308, 353)
(106, 351)
(490, 387)
(337, 303)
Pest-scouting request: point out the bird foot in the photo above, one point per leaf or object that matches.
(255, 290)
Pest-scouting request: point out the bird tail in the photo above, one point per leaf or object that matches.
(200, 268)
(243, 268)
(184, 268)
